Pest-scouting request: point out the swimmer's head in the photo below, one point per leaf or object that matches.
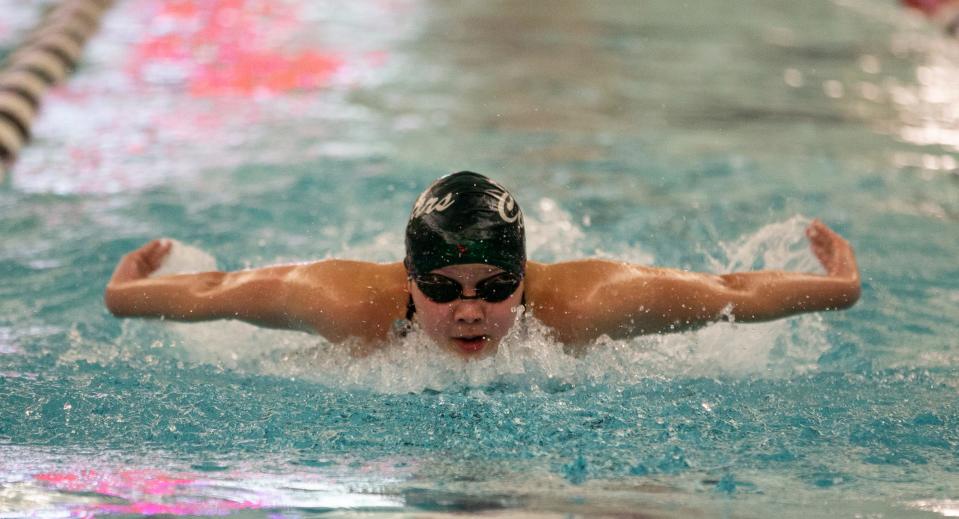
(465, 218)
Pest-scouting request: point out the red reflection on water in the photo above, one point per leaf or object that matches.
(190, 86)
(228, 47)
(146, 492)
(118, 484)
(207, 508)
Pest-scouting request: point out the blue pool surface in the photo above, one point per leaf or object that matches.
(699, 136)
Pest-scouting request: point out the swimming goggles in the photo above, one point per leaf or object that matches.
(441, 289)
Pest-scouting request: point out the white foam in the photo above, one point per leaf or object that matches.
(550, 232)
(185, 258)
(781, 246)
(529, 357)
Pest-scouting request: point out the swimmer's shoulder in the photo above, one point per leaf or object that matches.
(563, 279)
(560, 295)
(351, 273)
(348, 298)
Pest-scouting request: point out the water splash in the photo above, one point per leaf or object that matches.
(780, 246)
(551, 234)
(185, 258)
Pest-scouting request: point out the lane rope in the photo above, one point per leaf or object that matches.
(44, 59)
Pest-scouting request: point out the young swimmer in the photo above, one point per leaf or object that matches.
(464, 275)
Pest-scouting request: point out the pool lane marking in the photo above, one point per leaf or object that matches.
(46, 57)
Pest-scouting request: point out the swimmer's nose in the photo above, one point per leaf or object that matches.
(468, 311)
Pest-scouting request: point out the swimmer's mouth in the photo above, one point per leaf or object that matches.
(471, 343)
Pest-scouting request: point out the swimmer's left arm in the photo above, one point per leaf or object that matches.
(622, 300)
(771, 295)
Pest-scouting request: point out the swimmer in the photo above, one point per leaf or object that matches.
(464, 276)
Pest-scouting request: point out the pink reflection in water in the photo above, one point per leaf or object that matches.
(147, 492)
(228, 47)
(206, 508)
(197, 85)
(118, 484)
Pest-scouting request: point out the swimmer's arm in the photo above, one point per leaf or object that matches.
(256, 296)
(682, 300)
(622, 300)
(335, 298)
(763, 296)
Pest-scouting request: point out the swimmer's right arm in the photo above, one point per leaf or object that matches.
(333, 298)
(253, 295)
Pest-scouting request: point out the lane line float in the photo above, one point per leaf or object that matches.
(44, 59)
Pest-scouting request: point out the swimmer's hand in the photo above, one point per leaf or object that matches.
(833, 252)
(142, 262)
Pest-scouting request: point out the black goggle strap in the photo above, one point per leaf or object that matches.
(410, 308)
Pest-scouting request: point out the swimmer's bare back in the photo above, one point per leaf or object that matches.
(579, 300)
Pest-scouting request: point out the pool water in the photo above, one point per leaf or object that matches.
(702, 136)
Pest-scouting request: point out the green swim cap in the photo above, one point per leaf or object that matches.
(464, 218)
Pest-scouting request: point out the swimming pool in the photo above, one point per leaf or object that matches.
(697, 136)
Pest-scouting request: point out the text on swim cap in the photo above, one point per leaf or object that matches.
(427, 205)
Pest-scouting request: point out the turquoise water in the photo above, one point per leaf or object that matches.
(700, 137)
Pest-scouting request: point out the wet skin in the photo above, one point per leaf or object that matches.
(469, 328)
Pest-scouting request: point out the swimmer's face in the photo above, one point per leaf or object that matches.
(470, 328)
